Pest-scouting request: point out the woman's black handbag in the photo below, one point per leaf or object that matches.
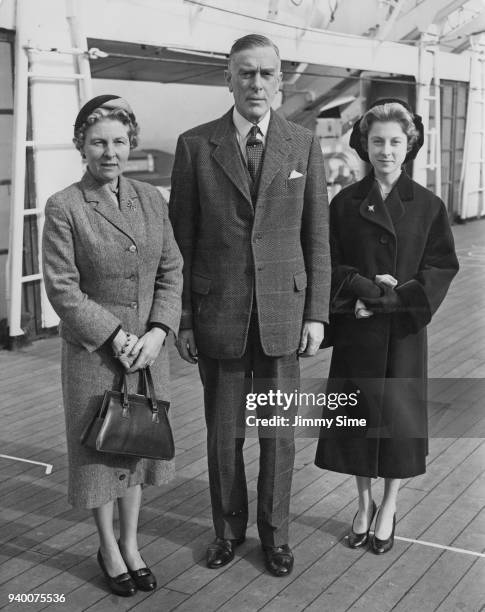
(133, 425)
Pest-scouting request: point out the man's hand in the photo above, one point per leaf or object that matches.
(147, 348)
(186, 345)
(311, 337)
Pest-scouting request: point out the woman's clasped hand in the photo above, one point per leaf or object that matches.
(137, 353)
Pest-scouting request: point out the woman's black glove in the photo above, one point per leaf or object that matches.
(363, 287)
(387, 303)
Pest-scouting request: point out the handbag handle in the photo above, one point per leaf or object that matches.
(148, 391)
(124, 396)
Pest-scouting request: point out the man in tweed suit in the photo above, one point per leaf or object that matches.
(253, 235)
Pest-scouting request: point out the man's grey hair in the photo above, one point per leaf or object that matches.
(249, 42)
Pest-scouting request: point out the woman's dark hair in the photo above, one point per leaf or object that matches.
(115, 114)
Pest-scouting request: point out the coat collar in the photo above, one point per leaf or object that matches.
(228, 155)
(104, 204)
(373, 209)
(404, 186)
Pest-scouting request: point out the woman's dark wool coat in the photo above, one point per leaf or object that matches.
(384, 357)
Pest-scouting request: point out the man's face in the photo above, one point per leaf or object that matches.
(254, 79)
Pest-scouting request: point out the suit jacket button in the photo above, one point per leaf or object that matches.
(123, 476)
(134, 305)
(258, 236)
(132, 248)
(383, 239)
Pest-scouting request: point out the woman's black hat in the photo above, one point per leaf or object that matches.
(96, 102)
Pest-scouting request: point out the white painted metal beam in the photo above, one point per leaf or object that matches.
(15, 246)
(422, 15)
(386, 28)
(173, 23)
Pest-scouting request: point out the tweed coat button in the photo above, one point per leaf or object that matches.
(258, 236)
(132, 248)
(384, 239)
(260, 268)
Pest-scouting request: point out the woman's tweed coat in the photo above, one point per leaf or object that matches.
(385, 356)
(106, 266)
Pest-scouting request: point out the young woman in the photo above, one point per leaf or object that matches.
(393, 260)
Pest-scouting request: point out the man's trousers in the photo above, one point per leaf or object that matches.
(226, 385)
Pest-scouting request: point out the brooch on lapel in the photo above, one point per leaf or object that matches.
(370, 207)
(131, 205)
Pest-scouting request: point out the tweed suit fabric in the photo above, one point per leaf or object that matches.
(256, 264)
(226, 383)
(274, 252)
(105, 267)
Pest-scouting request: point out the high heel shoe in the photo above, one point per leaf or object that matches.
(379, 547)
(143, 577)
(122, 584)
(357, 540)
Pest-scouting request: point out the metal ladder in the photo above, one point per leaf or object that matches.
(25, 76)
(473, 191)
(429, 157)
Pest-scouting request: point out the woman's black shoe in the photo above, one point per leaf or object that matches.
(120, 585)
(379, 547)
(357, 540)
(143, 577)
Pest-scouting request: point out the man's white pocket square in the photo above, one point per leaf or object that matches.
(295, 174)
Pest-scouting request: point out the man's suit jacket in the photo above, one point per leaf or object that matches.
(273, 252)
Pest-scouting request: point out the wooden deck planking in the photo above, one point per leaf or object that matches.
(50, 547)
(467, 595)
(87, 587)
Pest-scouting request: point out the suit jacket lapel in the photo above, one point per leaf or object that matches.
(276, 150)
(104, 204)
(228, 155)
(130, 207)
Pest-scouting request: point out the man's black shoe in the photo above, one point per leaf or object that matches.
(221, 552)
(278, 560)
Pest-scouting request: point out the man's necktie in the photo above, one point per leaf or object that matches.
(254, 150)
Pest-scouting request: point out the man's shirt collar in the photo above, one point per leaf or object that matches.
(243, 125)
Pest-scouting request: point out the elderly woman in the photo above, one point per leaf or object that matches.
(393, 260)
(113, 274)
